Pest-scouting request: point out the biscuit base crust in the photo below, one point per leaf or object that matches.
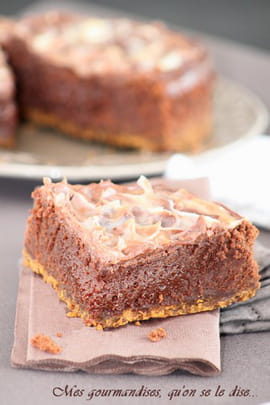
(190, 135)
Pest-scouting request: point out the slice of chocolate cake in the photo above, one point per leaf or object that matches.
(8, 110)
(116, 81)
(122, 253)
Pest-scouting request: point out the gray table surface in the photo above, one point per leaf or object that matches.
(245, 358)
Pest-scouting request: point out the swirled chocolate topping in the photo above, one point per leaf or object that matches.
(90, 45)
(123, 220)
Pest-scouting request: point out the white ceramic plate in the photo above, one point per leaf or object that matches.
(238, 114)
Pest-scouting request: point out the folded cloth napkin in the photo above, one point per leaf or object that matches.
(192, 342)
(238, 175)
(252, 315)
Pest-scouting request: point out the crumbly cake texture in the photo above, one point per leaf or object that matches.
(157, 334)
(115, 81)
(122, 253)
(8, 110)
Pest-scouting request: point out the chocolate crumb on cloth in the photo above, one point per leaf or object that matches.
(45, 343)
(157, 334)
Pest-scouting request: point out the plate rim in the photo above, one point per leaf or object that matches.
(152, 168)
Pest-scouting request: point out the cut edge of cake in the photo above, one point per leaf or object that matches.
(129, 315)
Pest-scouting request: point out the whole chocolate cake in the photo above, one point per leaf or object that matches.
(122, 253)
(116, 81)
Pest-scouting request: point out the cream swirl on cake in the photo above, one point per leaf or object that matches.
(108, 44)
(123, 219)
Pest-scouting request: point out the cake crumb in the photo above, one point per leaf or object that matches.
(160, 298)
(99, 327)
(157, 334)
(137, 323)
(71, 314)
(59, 334)
(45, 343)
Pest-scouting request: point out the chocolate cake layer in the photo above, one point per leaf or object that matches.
(121, 253)
(8, 111)
(126, 83)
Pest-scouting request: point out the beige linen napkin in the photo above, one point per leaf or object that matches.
(192, 342)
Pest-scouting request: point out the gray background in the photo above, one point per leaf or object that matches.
(246, 21)
(245, 358)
